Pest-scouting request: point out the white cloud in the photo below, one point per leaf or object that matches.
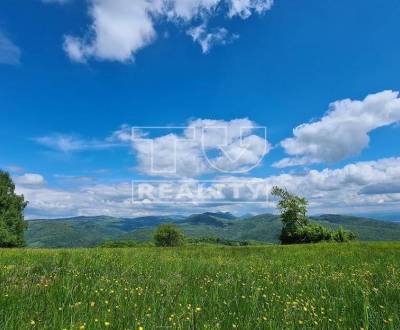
(121, 28)
(75, 179)
(9, 52)
(71, 143)
(344, 190)
(204, 146)
(342, 132)
(208, 39)
(30, 179)
(244, 8)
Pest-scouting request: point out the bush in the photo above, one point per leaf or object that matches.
(168, 235)
(342, 235)
(311, 233)
(314, 233)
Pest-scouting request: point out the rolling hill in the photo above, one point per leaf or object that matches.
(91, 231)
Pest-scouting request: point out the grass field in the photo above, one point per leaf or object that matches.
(327, 286)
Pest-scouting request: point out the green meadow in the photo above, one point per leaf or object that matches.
(322, 286)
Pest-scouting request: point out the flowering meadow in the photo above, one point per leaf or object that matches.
(324, 286)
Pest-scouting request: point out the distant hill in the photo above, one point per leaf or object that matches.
(210, 219)
(91, 231)
(85, 231)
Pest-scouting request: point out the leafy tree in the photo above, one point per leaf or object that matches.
(293, 211)
(12, 223)
(296, 226)
(168, 235)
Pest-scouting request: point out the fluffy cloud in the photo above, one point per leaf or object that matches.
(121, 28)
(343, 190)
(204, 146)
(29, 179)
(342, 132)
(9, 52)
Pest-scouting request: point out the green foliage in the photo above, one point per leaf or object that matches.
(293, 208)
(311, 233)
(342, 235)
(297, 228)
(12, 224)
(168, 235)
(320, 286)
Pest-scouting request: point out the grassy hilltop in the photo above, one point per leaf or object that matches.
(323, 286)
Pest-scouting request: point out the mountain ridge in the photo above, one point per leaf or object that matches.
(86, 231)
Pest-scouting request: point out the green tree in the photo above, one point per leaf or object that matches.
(296, 226)
(12, 223)
(293, 208)
(168, 235)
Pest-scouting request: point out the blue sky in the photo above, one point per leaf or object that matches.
(73, 72)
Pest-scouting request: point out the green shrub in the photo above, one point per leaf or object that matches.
(342, 235)
(168, 235)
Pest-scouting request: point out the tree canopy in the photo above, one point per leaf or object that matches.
(296, 226)
(168, 235)
(12, 223)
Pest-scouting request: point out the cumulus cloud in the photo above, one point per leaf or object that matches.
(203, 146)
(346, 189)
(342, 132)
(9, 53)
(30, 179)
(120, 28)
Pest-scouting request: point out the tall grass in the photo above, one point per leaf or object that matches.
(327, 286)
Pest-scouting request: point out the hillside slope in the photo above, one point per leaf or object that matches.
(90, 231)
